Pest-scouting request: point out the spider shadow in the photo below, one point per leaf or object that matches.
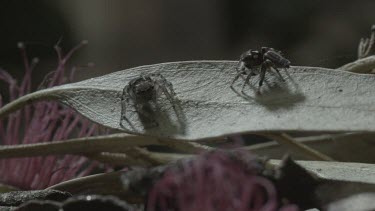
(276, 93)
(170, 119)
(163, 119)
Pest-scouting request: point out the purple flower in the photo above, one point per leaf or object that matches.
(42, 122)
(216, 181)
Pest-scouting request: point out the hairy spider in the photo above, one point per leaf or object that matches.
(142, 91)
(267, 58)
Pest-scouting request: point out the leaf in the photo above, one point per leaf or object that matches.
(310, 99)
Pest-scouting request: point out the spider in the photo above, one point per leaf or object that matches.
(142, 91)
(267, 58)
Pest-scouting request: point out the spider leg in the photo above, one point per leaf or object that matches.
(278, 73)
(170, 95)
(240, 70)
(235, 78)
(265, 66)
(247, 80)
(166, 87)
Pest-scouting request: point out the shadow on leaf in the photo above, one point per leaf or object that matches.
(276, 93)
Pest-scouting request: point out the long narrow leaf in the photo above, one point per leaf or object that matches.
(309, 99)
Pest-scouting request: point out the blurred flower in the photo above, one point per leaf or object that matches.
(42, 122)
(216, 181)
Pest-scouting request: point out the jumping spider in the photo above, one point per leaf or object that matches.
(142, 91)
(266, 58)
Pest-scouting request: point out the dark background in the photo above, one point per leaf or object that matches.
(125, 33)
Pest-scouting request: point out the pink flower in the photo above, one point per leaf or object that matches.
(42, 122)
(216, 181)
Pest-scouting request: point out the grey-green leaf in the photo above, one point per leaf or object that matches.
(309, 99)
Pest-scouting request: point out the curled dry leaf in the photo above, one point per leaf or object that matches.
(309, 99)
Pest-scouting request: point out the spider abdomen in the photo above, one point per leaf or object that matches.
(277, 59)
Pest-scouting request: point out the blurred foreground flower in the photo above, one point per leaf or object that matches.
(216, 181)
(42, 122)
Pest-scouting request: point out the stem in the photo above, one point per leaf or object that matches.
(26, 99)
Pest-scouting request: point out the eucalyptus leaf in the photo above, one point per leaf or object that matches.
(307, 99)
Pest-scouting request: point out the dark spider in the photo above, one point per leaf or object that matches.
(142, 91)
(266, 58)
